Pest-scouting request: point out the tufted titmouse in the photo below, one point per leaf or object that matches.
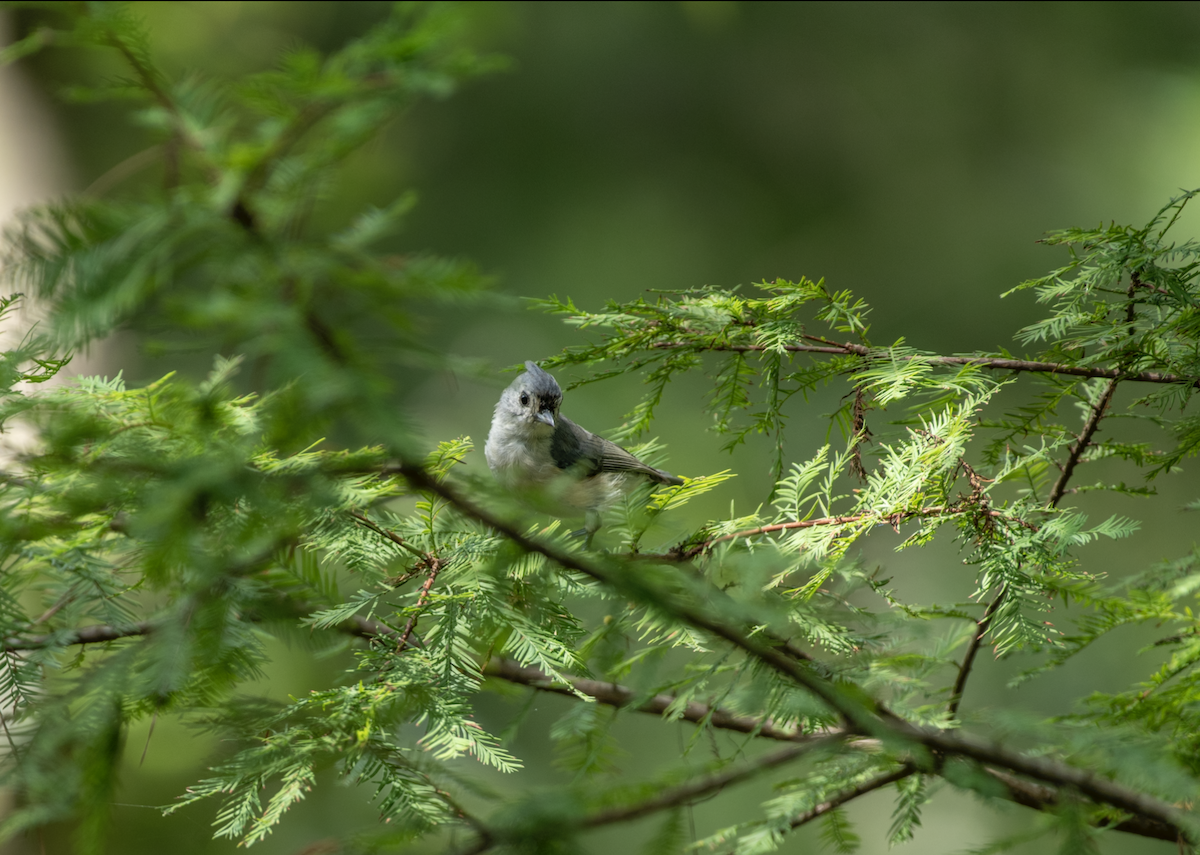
(531, 446)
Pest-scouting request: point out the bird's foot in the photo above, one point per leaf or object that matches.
(587, 536)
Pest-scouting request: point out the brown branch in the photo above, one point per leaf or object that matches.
(964, 670)
(1042, 798)
(101, 632)
(995, 363)
(1175, 639)
(1082, 443)
(1056, 493)
(367, 522)
(356, 625)
(692, 790)
(667, 799)
(85, 635)
(54, 609)
(1017, 790)
(876, 783)
(435, 566)
(608, 574)
(1138, 283)
(612, 694)
(890, 519)
(428, 559)
(616, 695)
(1095, 787)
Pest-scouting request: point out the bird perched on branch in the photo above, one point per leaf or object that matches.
(531, 447)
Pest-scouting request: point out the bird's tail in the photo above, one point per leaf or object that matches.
(666, 478)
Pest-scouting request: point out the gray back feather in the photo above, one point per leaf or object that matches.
(575, 447)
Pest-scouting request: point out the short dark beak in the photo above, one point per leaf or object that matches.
(545, 416)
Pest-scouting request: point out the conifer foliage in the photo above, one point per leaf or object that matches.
(158, 534)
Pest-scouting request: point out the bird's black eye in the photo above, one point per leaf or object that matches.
(524, 400)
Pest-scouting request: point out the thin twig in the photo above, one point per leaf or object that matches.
(435, 567)
(428, 559)
(1096, 787)
(146, 748)
(456, 806)
(692, 790)
(1081, 444)
(366, 521)
(674, 797)
(128, 167)
(616, 695)
(7, 735)
(67, 597)
(876, 783)
(1022, 792)
(102, 632)
(964, 670)
(179, 125)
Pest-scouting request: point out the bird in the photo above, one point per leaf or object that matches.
(546, 457)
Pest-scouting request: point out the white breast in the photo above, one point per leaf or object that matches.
(518, 453)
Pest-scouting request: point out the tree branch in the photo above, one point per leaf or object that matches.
(1081, 445)
(368, 523)
(675, 797)
(692, 790)
(1056, 493)
(1095, 787)
(616, 695)
(964, 670)
(1043, 798)
(862, 717)
(86, 635)
(1022, 792)
(435, 567)
(995, 363)
(891, 519)
(876, 783)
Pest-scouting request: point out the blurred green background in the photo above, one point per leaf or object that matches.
(913, 153)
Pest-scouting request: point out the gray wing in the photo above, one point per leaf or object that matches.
(574, 447)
